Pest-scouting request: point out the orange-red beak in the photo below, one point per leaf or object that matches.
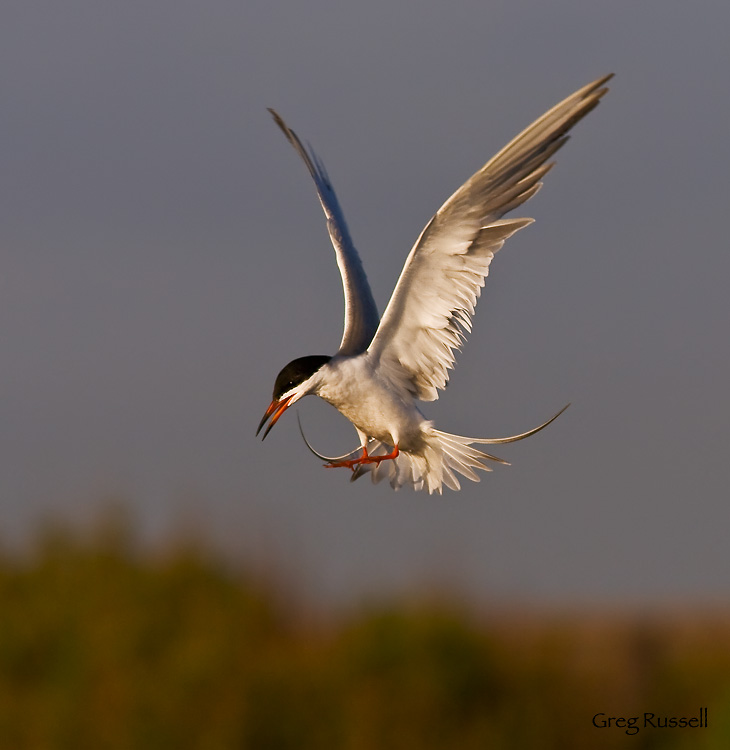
(275, 410)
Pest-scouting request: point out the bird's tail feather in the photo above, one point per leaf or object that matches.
(444, 456)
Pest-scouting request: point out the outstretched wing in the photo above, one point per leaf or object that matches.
(361, 314)
(430, 311)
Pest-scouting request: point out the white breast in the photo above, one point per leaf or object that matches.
(354, 387)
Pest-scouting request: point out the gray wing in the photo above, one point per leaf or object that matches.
(433, 302)
(361, 314)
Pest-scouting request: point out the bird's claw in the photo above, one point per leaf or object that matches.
(364, 459)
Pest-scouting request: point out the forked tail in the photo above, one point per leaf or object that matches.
(444, 457)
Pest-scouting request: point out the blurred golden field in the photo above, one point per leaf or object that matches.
(106, 646)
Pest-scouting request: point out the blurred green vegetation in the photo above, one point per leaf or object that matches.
(103, 646)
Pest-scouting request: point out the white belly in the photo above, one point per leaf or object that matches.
(372, 404)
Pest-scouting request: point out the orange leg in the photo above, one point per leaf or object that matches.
(364, 459)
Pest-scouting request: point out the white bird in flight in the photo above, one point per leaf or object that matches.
(385, 364)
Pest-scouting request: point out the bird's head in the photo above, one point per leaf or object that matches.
(292, 383)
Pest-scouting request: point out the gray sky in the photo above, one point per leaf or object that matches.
(164, 255)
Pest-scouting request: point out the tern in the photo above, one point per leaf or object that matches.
(384, 365)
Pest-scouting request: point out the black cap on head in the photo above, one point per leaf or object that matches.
(296, 372)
